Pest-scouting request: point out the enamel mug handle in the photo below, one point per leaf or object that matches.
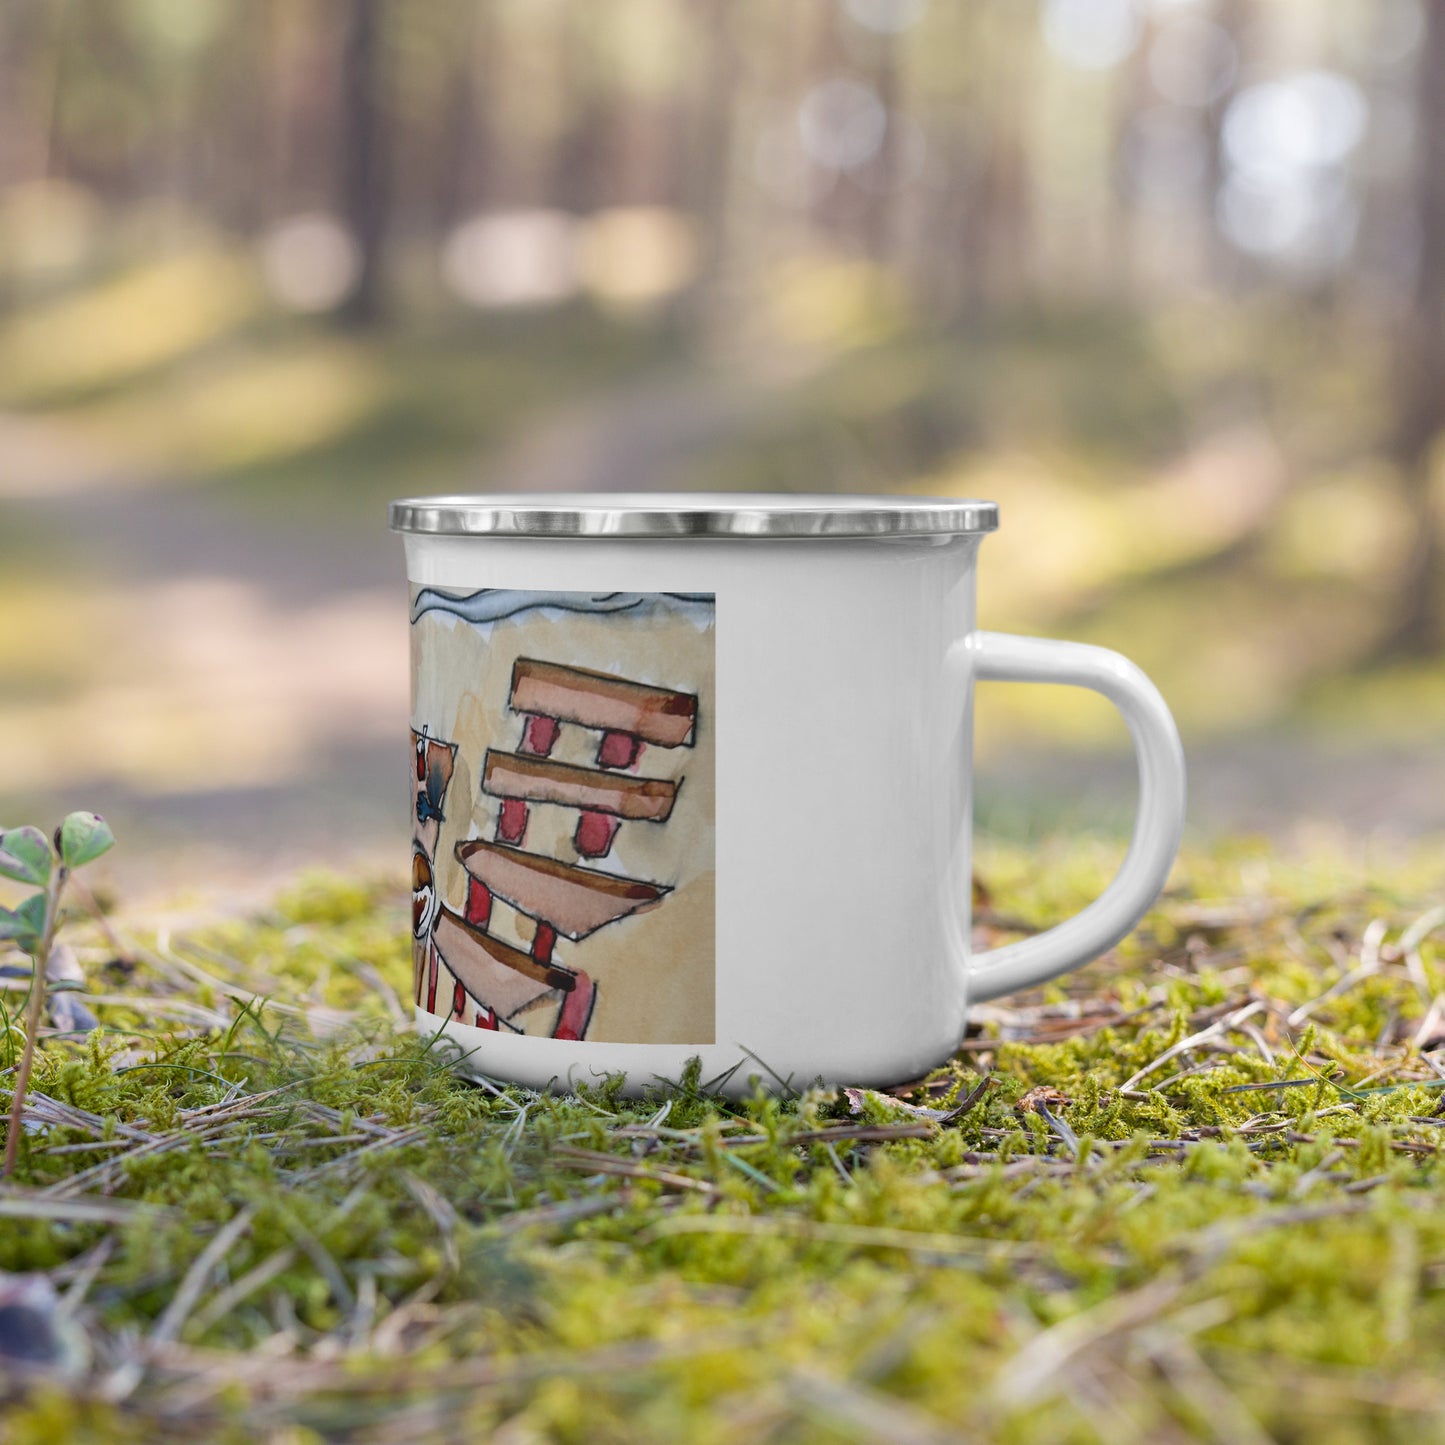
(1158, 825)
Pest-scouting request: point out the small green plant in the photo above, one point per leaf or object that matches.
(27, 857)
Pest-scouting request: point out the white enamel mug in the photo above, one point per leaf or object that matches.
(693, 780)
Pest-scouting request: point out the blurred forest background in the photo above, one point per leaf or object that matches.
(1163, 277)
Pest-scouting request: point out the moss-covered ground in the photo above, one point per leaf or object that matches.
(1192, 1193)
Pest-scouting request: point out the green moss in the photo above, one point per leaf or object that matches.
(421, 1258)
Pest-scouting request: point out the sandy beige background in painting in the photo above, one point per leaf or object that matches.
(654, 970)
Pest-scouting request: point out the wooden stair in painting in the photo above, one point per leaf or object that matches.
(468, 949)
(575, 901)
(603, 702)
(538, 780)
(560, 898)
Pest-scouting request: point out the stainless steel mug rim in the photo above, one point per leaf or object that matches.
(699, 514)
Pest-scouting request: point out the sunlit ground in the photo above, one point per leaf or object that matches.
(205, 625)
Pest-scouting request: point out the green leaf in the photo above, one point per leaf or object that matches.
(25, 924)
(25, 856)
(83, 837)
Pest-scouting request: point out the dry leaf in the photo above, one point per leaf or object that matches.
(1047, 1096)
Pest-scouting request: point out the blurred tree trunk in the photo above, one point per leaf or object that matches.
(1219, 258)
(713, 158)
(1420, 358)
(832, 209)
(1003, 204)
(468, 140)
(365, 194)
(1125, 254)
(705, 188)
(880, 213)
(32, 56)
(303, 110)
(579, 165)
(239, 170)
(939, 262)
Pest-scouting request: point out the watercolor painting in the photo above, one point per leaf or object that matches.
(563, 834)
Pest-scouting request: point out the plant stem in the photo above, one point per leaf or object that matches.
(40, 962)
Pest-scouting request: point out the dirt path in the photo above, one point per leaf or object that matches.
(236, 690)
(241, 707)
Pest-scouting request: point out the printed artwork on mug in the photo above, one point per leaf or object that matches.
(562, 863)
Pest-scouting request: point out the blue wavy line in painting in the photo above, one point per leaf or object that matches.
(492, 604)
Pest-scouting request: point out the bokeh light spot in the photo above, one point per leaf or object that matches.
(886, 17)
(513, 258)
(1091, 34)
(1313, 118)
(310, 262)
(841, 123)
(634, 256)
(1192, 61)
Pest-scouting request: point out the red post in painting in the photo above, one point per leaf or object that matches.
(540, 734)
(459, 1003)
(512, 820)
(576, 1010)
(618, 750)
(479, 903)
(543, 942)
(595, 832)
(431, 982)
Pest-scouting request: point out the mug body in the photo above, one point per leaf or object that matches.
(696, 797)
